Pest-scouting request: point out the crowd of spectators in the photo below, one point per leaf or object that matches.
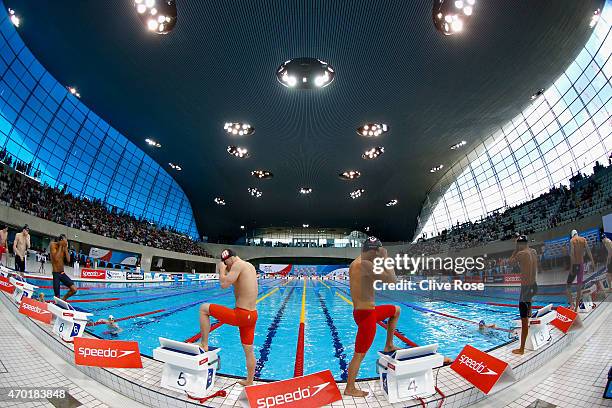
(41, 200)
(584, 197)
(18, 165)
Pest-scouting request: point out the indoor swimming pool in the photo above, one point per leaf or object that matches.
(146, 311)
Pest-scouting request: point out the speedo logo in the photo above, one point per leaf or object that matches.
(5, 284)
(563, 318)
(34, 309)
(204, 361)
(477, 366)
(86, 274)
(108, 353)
(298, 395)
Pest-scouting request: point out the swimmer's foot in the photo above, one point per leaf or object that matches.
(448, 360)
(518, 351)
(355, 392)
(390, 348)
(245, 382)
(204, 346)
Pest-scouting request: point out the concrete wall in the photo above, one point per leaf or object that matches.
(11, 216)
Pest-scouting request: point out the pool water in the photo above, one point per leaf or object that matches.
(147, 311)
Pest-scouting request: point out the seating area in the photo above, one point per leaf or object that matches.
(26, 194)
(585, 196)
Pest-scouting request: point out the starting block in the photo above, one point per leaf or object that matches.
(586, 304)
(22, 289)
(69, 323)
(187, 368)
(539, 331)
(408, 373)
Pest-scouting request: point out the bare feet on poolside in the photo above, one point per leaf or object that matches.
(245, 383)
(393, 347)
(354, 392)
(518, 351)
(448, 360)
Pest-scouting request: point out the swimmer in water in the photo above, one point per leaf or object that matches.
(482, 326)
(41, 297)
(111, 324)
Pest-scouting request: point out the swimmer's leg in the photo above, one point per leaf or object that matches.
(391, 326)
(72, 291)
(353, 370)
(250, 365)
(204, 325)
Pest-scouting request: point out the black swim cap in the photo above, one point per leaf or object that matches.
(227, 253)
(522, 238)
(371, 243)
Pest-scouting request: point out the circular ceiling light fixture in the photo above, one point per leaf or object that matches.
(305, 73)
(305, 225)
(262, 174)
(219, 201)
(450, 16)
(372, 129)
(391, 203)
(458, 145)
(240, 152)
(238, 128)
(175, 166)
(159, 16)
(152, 142)
(593, 23)
(350, 175)
(355, 194)
(73, 91)
(305, 190)
(436, 168)
(536, 95)
(373, 153)
(255, 192)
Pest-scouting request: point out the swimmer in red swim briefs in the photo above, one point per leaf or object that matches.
(365, 313)
(234, 271)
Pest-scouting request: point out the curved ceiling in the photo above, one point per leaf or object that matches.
(218, 65)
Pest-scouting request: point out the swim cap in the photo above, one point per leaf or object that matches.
(522, 238)
(481, 323)
(227, 253)
(574, 232)
(111, 317)
(371, 243)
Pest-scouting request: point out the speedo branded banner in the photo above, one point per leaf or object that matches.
(566, 318)
(35, 309)
(309, 391)
(292, 269)
(93, 273)
(6, 285)
(481, 369)
(113, 256)
(106, 353)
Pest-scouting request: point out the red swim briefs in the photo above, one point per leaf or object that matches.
(366, 320)
(244, 319)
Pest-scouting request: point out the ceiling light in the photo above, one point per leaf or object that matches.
(449, 17)
(305, 225)
(458, 145)
(356, 193)
(350, 175)
(305, 190)
(242, 227)
(152, 142)
(255, 192)
(262, 174)
(593, 23)
(175, 166)
(436, 168)
(219, 201)
(314, 73)
(238, 128)
(391, 203)
(240, 152)
(159, 16)
(373, 153)
(372, 129)
(73, 91)
(14, 18)
(536, 95)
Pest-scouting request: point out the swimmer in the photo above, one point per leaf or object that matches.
(41, 297)
(365, 312)
(482, 326)
(21, 244)
(59, 252)
(113, 327)
(608, 244)
(527, 259)
(579, 247)
(234, 271)
(3, 242)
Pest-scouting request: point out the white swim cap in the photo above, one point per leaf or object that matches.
(574, 232)
(110, 317)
